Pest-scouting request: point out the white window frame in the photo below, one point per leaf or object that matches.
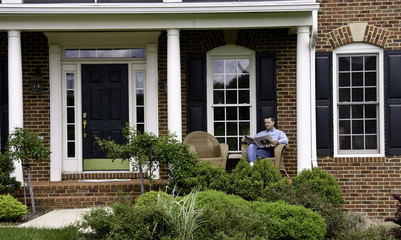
(359, 49)
(231, 51)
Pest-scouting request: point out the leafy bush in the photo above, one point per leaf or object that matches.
(320, 182)
(122, 221)
(149, 199)
(248, 182)
(292, 222)
(11, 209)
(8, 184)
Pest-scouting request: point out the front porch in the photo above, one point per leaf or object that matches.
(84, 190)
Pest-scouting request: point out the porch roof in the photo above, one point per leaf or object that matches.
(156, 16)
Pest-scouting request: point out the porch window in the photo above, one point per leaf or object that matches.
(105, 53)
(70, 94)
(230, 98)
(358, 104)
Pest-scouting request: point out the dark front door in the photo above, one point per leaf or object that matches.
(104, 111)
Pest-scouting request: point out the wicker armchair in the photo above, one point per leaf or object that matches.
(278, 159)
(207, 148)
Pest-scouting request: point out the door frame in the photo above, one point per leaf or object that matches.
(58, 66)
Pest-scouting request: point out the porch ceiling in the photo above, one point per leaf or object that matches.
(156, 16)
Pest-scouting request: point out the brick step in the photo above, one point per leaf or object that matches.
(106, 175)
(81, 194)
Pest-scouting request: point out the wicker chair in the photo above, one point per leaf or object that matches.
(207, 148)
(278, 159)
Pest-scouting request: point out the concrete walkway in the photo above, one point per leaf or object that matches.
(57, 218)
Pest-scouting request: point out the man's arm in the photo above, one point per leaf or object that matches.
(282, 138)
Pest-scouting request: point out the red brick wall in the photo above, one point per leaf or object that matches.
(367, 183)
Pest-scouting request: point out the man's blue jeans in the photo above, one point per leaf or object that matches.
(253, 152)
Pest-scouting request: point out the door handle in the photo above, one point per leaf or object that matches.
(84, 123)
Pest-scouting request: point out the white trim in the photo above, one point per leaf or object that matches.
(59, 66)
(360, 48)
(56, 125)
(231, 51)
(171, 7)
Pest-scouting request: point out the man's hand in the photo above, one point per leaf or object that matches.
(275, 142)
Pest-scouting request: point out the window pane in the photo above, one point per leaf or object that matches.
(71, 149)
(370, 79)
(357, 142)
(243, 66)
(139, 97)
(140, 79)
(357, 63)
(72, 53)
(371, 142)
(370, 63)
(344, 95)
(370, 94)
(243, 96)
(70, 132)
(70, 98)
(218, 82)
(140, 127)
(218, 113)
(244, 127)
(231, 81)
(218, 66)
(370, 111)
(357, 94)
(83, 53)
(244, 113)
(357, 127)
(70, 115)
(243, 81)
(231, 113)
(70, 81)
(370, 126)
(140, 114)
(344, 80)
(232, 129)
(344, 111)
(232, 143)
(218, 97)
(345, 127)
(231, 97)
(219, 129)
(344, 63)
(231, 66)
(357, 79)
(345, 142)
(357, 111)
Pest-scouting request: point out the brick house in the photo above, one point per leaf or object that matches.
(330, 72)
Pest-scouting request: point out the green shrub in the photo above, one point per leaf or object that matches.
(248, 182)
(8, 184)
(229, 217)
(291, 221)
(149, 199)
(11, 209)
(320, 182)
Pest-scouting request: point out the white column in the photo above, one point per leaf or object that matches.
(56, 111)
(15, 92)
(304, 140)
(174, 83)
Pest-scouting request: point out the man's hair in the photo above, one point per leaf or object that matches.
(272, 118)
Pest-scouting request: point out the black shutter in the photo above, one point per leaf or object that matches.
(393, 101)
(196, 92)
(3, 102)
(324, 103)
(265, 88)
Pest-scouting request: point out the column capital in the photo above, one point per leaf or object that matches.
(14, 33)
(173, 32)
(303, 29)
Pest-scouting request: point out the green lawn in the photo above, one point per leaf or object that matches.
(21, 233)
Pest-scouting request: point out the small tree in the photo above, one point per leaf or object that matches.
(24, 145)
(139, 148)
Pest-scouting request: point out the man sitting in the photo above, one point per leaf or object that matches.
(277, 136)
